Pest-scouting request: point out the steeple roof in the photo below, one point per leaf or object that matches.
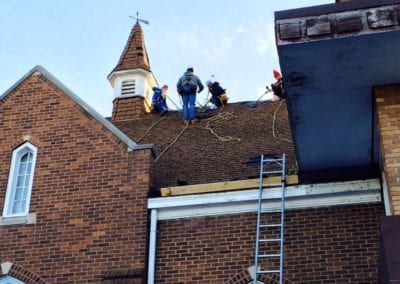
(134, 55)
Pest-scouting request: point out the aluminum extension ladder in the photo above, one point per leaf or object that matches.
(270, 222)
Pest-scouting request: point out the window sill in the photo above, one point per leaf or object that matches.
(28, 219)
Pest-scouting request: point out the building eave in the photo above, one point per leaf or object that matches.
(331, 8)
(140, 71)
(245, 201)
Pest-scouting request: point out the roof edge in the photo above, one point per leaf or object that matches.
(245, 201)
(111, 127)
(331, 8)
(118, 72)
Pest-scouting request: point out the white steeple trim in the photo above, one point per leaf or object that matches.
(144, 82)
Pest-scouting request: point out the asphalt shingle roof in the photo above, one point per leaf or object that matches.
(198, 156)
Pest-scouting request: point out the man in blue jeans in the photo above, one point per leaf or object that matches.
(187, 87)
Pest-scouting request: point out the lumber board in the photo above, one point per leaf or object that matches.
(224, 186)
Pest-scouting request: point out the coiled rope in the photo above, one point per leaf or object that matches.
(221, 117)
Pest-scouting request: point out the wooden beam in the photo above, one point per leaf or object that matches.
(225, 186)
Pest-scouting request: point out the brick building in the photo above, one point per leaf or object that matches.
(139, 198)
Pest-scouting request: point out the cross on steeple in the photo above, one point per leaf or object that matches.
(138, 19)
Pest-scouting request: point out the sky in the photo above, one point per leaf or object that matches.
(80, 42)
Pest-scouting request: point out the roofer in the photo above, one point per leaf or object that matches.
(218, 94)
(187, 87)
(277, 87)
(159, 100)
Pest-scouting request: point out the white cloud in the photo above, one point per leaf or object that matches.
(216, 49)
(240, 29)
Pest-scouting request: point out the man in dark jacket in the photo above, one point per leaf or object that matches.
(187, 87)
(277, 87)
(217, 93)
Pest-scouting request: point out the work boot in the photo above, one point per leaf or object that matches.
(194, 121)
(186, 122)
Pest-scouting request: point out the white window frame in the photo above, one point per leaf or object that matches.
(12, 180)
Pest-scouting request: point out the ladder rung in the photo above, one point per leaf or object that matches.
(269, 255)
(268, 271)
(271, 184)
(269, 240)
(270, 225)
(272, 160)
(272, 172)
(271, 211)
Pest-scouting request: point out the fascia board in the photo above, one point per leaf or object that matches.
(301, 196)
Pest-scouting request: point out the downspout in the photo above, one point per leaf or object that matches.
(152, 247)
(386, 196)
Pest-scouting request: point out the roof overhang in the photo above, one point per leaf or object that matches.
(128, 72)
(245, 201)
(331, 56)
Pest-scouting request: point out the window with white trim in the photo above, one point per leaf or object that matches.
(128, 88)
(20, 180)
(10, 280)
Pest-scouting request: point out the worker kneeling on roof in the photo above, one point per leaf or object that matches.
(218, 94)
(159, 100)
(277, 87)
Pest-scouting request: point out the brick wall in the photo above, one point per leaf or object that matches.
(387, 99)
(128, 108)
(325, 245)
(89, 191)
(389, 257)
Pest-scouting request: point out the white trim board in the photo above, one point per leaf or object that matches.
(243, 201)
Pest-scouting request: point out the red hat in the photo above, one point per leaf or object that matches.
(277, 75)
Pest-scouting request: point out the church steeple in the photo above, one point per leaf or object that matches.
(132, 78)
(135, 54)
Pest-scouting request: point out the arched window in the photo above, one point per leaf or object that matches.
(10, 280)
(19, 188)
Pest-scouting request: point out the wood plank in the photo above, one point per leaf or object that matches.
(224, 186)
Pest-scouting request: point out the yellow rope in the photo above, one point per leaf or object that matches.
(173, 142)
(150, 128)
(273, 124)
(220, 117)
(177, 108)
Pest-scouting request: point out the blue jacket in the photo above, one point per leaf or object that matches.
(158, 101)
(157, 97)
(189, 77)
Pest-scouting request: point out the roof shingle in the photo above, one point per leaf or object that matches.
(198, 156)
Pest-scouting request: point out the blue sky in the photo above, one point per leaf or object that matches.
(80, 42)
